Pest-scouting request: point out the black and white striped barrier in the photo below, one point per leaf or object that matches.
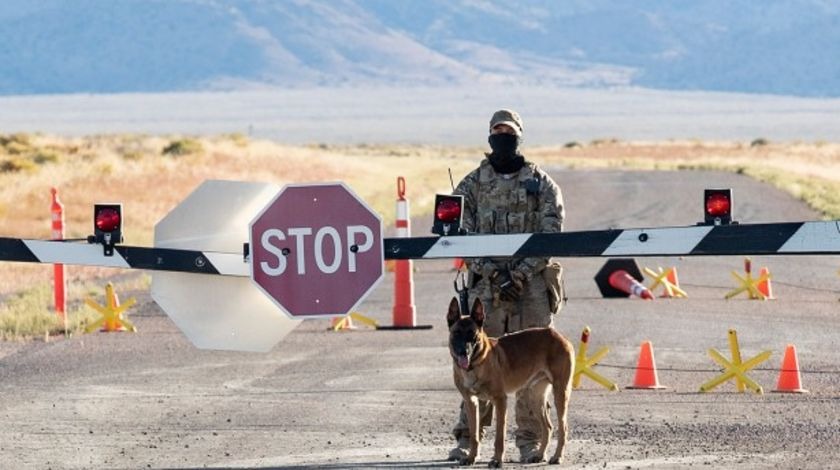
(128, 257)
(789, 238)
(203, 280)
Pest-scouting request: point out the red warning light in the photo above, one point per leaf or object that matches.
(107, 219)
(448, 211)
(718, 205)
(107, 226)
(448, 214)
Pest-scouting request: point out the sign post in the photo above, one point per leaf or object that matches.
(316, 250)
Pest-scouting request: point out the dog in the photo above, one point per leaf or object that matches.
(490, 368)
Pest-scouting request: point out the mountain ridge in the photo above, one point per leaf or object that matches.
(782, 47)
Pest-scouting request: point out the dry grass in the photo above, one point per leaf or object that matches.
(150, 175)
(808, 171)
(135, 170)
(28, 313)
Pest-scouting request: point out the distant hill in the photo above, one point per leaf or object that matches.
(104, 46)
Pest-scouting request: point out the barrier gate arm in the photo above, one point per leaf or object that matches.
(788, 238)
(130, 257)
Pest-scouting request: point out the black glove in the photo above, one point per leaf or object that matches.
(510, 285)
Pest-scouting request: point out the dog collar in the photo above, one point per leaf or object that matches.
(485, 351)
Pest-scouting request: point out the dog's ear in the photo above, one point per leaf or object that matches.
(454, 312)
(477, 313)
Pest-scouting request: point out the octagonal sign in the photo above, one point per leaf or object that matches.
(316, 250)
(218, 312)
(602, 277)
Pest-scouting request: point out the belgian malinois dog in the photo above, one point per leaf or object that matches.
(490, 368)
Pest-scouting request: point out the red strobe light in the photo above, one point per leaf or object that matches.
(448, 211)
(717, 207)
(107, 219)
(107, 226)
(448, 214)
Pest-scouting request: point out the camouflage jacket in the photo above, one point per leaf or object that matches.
(528, 201)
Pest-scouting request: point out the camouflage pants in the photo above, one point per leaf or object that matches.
(532, 310)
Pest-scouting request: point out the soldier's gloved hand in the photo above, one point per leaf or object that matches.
(511, 284)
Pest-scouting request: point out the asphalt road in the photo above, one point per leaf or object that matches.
(385, 399)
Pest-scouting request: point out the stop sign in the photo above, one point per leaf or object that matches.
(316, 250)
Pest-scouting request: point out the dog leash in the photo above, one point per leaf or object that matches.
(463, 293)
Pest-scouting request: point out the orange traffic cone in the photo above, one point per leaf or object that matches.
(764, 286)
(646, 377)
(623, 281)
(789, 380)
(672, 277)
(673, 288)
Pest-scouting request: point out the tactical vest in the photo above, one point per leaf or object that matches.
(507, 205)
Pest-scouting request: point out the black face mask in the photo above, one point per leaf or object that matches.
(505, 157)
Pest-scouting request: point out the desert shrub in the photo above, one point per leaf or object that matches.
(14, 165)
(16, 148)
(241, 140)
(572, 145)
(132, 155)
(609, 141)
(104, 168)
(131, 148)
(19, 138)
(42, 156)
(759, 142)
(183, 147)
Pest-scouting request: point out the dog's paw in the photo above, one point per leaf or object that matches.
(494, 463)
(555, 460)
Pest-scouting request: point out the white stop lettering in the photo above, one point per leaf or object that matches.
(359, 239)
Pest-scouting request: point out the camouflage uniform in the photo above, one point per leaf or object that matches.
(527, 201)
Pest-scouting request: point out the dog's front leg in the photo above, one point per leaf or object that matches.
(501, 427)
(471, 403)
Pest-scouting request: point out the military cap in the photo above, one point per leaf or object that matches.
(508, 117)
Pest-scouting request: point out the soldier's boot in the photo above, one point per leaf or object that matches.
(533, 423)
(462, 446)
(460, 451)
(531, 454)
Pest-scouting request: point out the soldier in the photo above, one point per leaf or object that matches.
(508, 194)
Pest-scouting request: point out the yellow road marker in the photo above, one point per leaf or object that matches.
(748, 284)
(346, 322)
(735, 368)
(583, 365)
(665, 277)
(112, 312)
